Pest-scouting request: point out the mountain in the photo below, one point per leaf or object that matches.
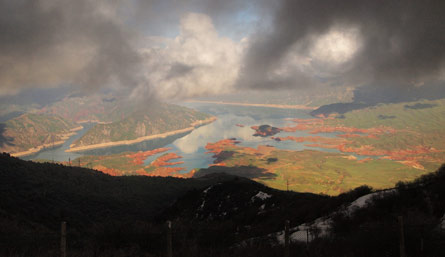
(143, 123)
(29, 133)
(215, 215)
(243, 218)
(92, 108)
(368, 96)
(309, 96)
(35, 197)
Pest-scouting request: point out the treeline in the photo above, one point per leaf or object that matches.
(212, 216)
(36, 197)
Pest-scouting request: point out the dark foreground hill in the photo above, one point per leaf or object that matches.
(217, 215)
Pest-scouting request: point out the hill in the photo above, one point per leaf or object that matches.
(29, 133)
(216, 215)
(93, 108)
(142, 124)
(242, 218)
(35, 197)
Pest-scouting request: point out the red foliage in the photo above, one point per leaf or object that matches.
(219, 146)
(139, 157)
(164, 160)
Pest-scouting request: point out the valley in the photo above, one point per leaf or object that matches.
(113, 122)
(288, 149)
(282, 148)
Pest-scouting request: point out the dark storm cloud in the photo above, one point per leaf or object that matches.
(402, 41)
(179, 70)
(87, 43)
(46, 43)
(157, 16)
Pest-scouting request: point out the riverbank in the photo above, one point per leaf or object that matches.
(141, 139)
(279, 106)
(39, 148)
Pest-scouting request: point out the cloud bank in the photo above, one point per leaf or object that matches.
(197, 62)
(46, 43)
(348, 42)
(221, 46)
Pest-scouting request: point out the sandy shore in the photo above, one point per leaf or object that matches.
(37, 149)
(280, 106)
(49, 145)
(141, 139)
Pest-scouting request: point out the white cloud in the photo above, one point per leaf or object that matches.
(197, 62)
(318, 59)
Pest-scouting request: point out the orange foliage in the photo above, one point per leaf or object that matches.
(164, 160)
(219, 146)
(139, 157)
(112, 172)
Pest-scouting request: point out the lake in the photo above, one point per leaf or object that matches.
(191, 145)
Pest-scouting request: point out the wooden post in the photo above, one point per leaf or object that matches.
(421, 246)
(286, 238)
(402, 238)
(169, 239)
(63, 240)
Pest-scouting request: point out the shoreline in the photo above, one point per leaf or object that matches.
(39, 148)
(278, 106)
(142, 139)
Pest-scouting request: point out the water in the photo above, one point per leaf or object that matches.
(191, 145)
(58, 153)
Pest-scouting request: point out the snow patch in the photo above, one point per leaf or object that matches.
(320, 227)
(442, 224)
(207, 189)
(261, 195)
(307, 232)
(202, 205)
(365, 200)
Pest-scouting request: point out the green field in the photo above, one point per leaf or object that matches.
(419, 129)
(415, 146)
(320, 172)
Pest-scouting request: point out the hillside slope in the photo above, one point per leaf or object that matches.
(216, 215)
(29, 133)
(247, 219)
(142, 123)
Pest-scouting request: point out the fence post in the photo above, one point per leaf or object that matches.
(421, 246)
(169, 239)
(286, 238)
(63, 240)
(402, 238)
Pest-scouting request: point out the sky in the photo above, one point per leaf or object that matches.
(179, 49)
